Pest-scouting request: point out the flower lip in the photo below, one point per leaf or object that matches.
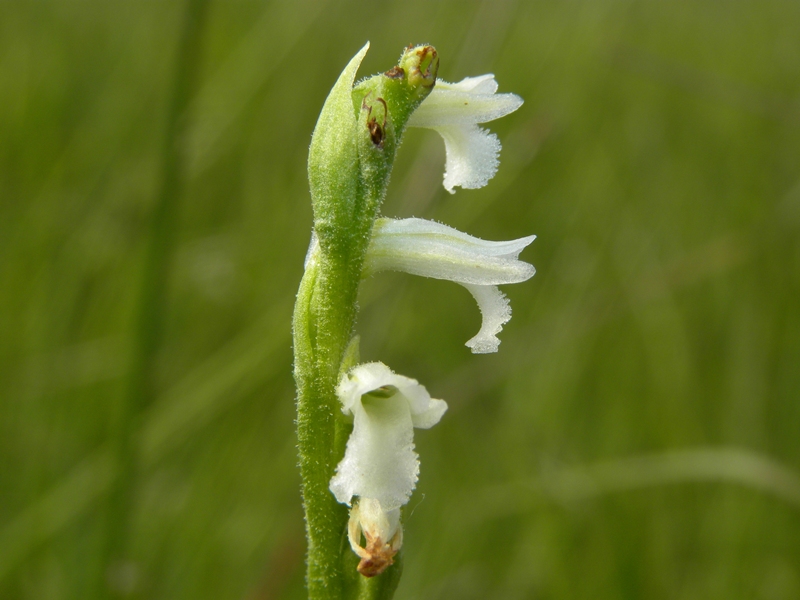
(379, 461)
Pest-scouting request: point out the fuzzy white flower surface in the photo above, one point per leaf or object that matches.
(454, 110)
(434, 250)
(379, 462)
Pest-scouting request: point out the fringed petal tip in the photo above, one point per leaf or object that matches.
(472, 156)
(495, 312)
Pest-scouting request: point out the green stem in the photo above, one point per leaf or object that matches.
(321, 333)
(383, 586)
(350, 160)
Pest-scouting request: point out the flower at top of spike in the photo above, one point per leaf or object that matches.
(454, 110)
(434, 250)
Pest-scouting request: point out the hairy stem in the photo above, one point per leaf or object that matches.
(350, 160)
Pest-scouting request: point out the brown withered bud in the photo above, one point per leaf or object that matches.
(376, 559)
(378, 553)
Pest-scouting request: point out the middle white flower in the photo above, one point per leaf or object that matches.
(434, 250)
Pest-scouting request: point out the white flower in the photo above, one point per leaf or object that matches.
(431, 249)
(454, 110)
(380, 466)
(380, 461)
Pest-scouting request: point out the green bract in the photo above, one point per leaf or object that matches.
(355, 141)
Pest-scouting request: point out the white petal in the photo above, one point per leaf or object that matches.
(471, 156)
(367, 378)
(371, 518)
(460, 104)
(481, 84)
(454, 109)
(379, 461)
(425, 419)
(496, 312)
(416, 231)
(434, 250)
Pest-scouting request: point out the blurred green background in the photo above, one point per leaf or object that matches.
(637, 435)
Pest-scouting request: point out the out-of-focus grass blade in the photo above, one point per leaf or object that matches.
(43, 519)
(700, 465)
(228, 92)
(193, 403)
(724, 465)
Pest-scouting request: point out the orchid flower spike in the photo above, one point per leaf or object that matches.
(454, 110)
(431, 249)
(380, 466)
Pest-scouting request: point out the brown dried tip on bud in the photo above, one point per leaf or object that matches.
(395, 73)
(382, 533)
(421, 63)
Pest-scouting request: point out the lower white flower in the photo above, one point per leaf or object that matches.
(454, 110)
(380, 466)
(434, 250)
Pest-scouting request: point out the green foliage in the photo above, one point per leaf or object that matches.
(656, 160)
